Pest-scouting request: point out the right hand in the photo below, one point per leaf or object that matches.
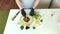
(23, 12)
(32, 12)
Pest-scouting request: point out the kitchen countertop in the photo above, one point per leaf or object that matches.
(50, 24)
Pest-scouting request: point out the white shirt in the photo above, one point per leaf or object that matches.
(27, 3)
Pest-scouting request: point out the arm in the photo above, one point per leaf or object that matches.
(21, 8)
(36, 3)
(19, 4)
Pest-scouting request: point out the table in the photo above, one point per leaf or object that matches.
(50, 24)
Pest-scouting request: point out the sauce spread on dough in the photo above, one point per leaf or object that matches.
(26, 19)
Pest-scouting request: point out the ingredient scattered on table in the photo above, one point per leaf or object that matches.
(34, 27)
(27, 27)
(41, 20)
(22, 27)
(52, 14)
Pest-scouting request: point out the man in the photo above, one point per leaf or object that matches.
(32, 4)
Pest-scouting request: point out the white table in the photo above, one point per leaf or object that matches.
(50, 24)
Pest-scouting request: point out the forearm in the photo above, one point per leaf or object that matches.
(19, 4)
(36, 3)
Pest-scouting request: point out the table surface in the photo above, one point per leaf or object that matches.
(50, 24)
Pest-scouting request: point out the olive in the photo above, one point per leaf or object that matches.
(22, 27)
(41, 20)
(27, 27)
(34, 27)
(51, 14)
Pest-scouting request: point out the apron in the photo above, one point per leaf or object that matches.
(27, 3)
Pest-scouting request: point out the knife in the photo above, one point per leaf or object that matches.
(15, 15)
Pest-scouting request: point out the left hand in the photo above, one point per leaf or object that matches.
(23, 12)
(32, 12)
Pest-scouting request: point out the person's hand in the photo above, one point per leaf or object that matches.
(23, 12)
(32, 12)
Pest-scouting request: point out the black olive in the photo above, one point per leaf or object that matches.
(27, 27)
(41, 20)
(34, 27)
(22, 27)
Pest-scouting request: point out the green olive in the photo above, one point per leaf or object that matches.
(22, 27)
